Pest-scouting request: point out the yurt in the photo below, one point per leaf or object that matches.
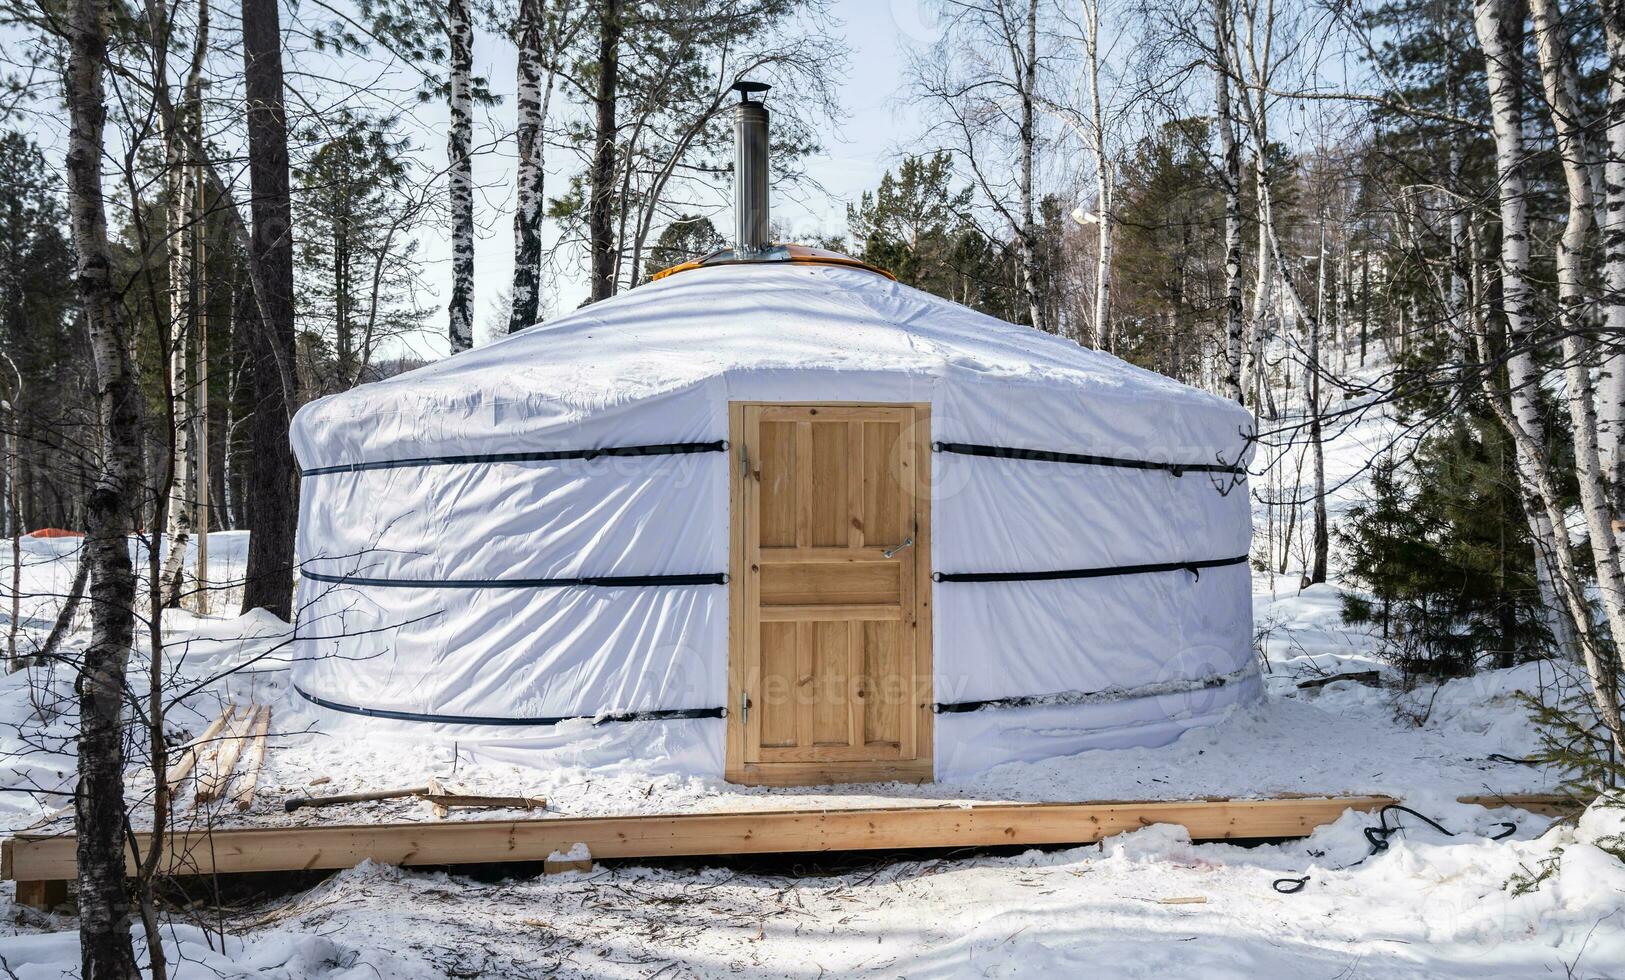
(778, 518)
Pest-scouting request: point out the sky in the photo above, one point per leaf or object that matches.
(871, 133)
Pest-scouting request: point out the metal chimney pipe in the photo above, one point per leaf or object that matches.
(750, 170)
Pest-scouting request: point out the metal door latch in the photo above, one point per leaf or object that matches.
(892, 552)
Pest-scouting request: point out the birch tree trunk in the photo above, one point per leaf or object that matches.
(1611, 383)
(460, 38)
(1230, 149)
(1321, 544)
(1026, 237)
(105, 949)
(601, 208)
(273, 486)
(1499, 28)
(527, 218)
(1105, 336)
(1557, 78)
(182, 238)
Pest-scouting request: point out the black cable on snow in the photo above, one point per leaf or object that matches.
(1377, 837)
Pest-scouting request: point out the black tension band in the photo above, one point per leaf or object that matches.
(600, 581)
(1087, 697)
(1194, 567)
(1045, 456)
(664, 449)
(668, 714)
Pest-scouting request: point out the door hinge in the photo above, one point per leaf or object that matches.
(744, 462)
(744, 707)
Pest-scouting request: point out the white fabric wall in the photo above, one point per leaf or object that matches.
(580, 651)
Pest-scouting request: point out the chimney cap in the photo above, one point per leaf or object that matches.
(745, 88)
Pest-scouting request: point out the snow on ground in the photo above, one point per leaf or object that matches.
(1148, 903)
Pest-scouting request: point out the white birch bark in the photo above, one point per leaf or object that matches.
(1557, 78)
(1105, 336)
(1026, 235)
(460, 37)
(1611, 382)
(532, 116)
(1497, 37)
(104, 903)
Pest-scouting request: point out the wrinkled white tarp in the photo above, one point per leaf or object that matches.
(660, 365)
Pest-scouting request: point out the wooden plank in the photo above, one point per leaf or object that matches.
(830, 412)
(212, 784)
(917, 732)
(830, 583)
(853, 611)
(227, 850)
(854, 486)
(1545, 804)
(197, 746)
(803, 477)
(771, 556)
(256, 759)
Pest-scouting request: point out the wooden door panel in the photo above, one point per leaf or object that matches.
(829, 664)
(790, 583)
(777, 450)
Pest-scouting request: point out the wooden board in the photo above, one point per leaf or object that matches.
(30, 857)
(830, 642)
(41, 863)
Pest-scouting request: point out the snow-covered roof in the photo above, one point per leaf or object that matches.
(758, 323)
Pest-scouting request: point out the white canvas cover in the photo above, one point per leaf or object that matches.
(1147, 655)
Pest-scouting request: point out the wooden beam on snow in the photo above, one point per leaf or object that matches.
(34, 858)
(232, 850)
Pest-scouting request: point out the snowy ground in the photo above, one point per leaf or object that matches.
(1431, 906)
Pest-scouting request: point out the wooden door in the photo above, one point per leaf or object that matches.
(830, 649)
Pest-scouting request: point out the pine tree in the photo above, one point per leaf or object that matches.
(357, 254)
(1444, 557)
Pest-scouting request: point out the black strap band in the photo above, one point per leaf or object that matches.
(1194, 567)
(664, 449)
(599, 581)
(1042, 455)
(667, 714)
(1153, 690)
(1040, 700)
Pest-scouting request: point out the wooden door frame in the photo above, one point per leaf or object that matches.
(742, 622)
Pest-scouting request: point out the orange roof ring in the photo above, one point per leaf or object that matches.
(771, 255)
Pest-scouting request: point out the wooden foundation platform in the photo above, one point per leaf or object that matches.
(37, 862)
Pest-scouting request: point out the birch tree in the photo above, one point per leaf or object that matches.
(601, 204)
(106, 952)
(1105, 336)
(1558, 72)
(459, 140)
(184, 233)
(1611, 380)
(982, 81)
(1230, 176)
(1498, 25)
(538, 35)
